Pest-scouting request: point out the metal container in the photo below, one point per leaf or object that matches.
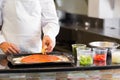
(15, 63)
(104, 44)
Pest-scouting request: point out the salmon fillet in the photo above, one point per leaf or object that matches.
(36, 58)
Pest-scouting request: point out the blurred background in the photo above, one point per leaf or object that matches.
(84, 21)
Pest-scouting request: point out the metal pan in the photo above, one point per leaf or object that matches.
(104, 44)
(68, 56)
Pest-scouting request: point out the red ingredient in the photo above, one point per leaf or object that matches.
(36, 58)
(100, 57)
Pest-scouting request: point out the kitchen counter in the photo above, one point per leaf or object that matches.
(6, 67)
(107, 72)
(84, 34)
(74, 72)
(112, 74)
(104, 31)
(85, 29)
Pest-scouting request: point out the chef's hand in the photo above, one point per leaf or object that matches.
(47, 44)
(9, 48)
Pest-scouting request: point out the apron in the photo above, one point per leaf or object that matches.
(22, 24)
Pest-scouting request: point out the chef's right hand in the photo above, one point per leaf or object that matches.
(9, 48)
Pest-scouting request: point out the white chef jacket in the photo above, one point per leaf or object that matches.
(24, 21)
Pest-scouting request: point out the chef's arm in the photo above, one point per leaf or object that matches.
(1, 12)
(50, 24)
(1, 35)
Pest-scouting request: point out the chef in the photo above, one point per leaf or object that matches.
(28, 26)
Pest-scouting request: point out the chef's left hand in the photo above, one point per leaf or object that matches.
(47, 44)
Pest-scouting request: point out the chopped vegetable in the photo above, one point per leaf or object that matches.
(86, 60)
(100, 57)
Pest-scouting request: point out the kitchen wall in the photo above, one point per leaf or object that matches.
(93, 8)
(73, 6)
(101, 8)
(108, 10)
(117, 8)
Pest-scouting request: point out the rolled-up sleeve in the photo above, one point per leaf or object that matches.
(49, 18)
(0, 12)
(2, 39)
